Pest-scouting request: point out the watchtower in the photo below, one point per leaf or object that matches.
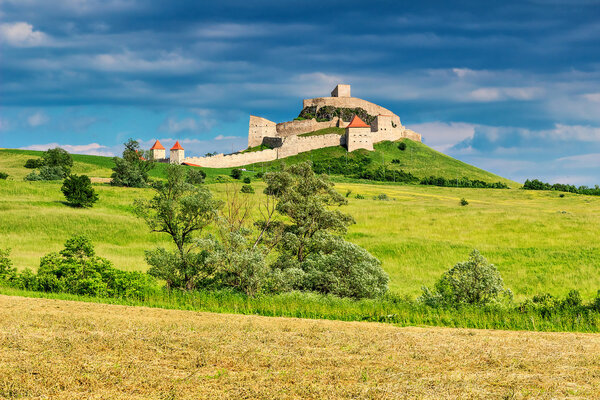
(341, 91)
(358, 135)
(158, 151)
(177, 155)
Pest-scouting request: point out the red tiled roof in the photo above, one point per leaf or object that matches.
(191, 165)
(357, 123)
(157, 146)
(177, 146)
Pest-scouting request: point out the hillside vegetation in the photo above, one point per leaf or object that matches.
(73, 350)
(539, 241)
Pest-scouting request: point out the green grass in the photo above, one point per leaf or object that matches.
(325, 131)
(307, 305)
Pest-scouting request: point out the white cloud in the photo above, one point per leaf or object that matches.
(489, 94)
(21, 34)
(91, 149)
(129, 61)
(571, 132)
(591, 160)
(172, 125)
(595, 97)
(221, 137)
(442, 135)
(37, 119)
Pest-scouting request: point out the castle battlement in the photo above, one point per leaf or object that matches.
(340, 110)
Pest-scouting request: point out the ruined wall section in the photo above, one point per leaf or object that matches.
(297, 144)
(258, 128)
(350, 102)
(290, 128)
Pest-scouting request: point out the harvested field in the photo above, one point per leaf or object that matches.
(75, 350)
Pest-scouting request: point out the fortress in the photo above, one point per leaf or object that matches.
(359, 124)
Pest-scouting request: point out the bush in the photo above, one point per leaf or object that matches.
(7, 272)
(359, 196)
(561, 195)
(247, 189)
(32, 176)
(247, 180)
(3, 175)
(77, 270)
(236, 173)
(58, 157)
(259, 175)
(381, 196)
(78, 191)
(402, 146)
(195, 176)
(474, 281)
(463, 202)
(33, 163)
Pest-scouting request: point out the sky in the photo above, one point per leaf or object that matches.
(511, 87)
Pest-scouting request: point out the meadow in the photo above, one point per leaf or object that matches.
(539, 241)
(75, 350)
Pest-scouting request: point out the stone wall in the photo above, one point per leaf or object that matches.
(285, 129)
(359, 138)
(297, 144)
(258, 128)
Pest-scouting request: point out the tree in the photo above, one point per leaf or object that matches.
(195, 176)
(236, 173)
(181, 210)
(132, 170)
(304, 198)
(474, 281)
(78, 191)
(58, 157)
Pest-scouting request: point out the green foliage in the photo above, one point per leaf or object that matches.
(236, 173)
(3, 175)
(181, 210)
(8, 273)
(359, 196)
(58, 157)
(77, 270)
(247, 189)
(247, 180)
(78, 191)
(536, 184)
(464, 202)
(133, 169)
(328, 113)
(462, 182)
(195, 176)
(475, 281)
(33, 163)
(402, 146)
(259, 175)
(382, 197)
(359, 167)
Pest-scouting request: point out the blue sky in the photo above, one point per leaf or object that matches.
(512, 87)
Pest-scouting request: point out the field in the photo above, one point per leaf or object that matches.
(539, 241)
(75, 350)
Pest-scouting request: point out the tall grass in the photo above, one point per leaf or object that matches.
(392, 310)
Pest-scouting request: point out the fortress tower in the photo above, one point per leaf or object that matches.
(158, 151)
(358, 135)
(341, 91)
(177, 155)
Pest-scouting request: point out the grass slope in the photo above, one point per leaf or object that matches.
(74, 350)
(539, 241)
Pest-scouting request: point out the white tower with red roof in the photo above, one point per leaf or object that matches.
(358, 135)
(158, 151)
(177, 155)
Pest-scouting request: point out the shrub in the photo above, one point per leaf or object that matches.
(359, 196)
(247, 180)
(33, 163)
(474, 281)
(77, 270)
(381, 196)
(402, 146)
(222, 179)
(58, 157)
(53, 173)
(195, 176)
(561, 195)
(348, 193)
(3, 175)
(247, 189)
(78, 191)
(131, 170)
(7, 272)
(32, 176)
(259, 175)
(463, 202)
(236, 173)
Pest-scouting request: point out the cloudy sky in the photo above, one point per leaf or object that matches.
(512, 87)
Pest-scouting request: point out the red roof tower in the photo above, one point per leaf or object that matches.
(357, 123)
(177, 146)
(157, 146)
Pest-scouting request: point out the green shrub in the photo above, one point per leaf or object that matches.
(32, 176)
(78, 191)
(247, 189)
(195, 176)
(58, 157)
(561, 195)
(348, 193)
(33, 163)
(222, 179)
(402, 146)
(259, 175)
(3, 175)
(474, 281)
(236, 173)
(359, 196)
(7, 272)
(77, 270)
(247, 180)
(381, 196)
(464, 202)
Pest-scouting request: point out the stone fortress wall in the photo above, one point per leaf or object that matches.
(286, 142)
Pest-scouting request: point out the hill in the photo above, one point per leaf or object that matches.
(539, 241)
(73, 350)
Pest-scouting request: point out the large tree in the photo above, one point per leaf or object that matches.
(132, 169)
(182, 211)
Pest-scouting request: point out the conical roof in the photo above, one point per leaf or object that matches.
(157, 146)
(357, 123)
(177, 146)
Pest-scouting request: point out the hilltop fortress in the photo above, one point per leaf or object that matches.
(360, 124)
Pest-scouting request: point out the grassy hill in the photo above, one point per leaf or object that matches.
(539, 241)
(75, 350)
